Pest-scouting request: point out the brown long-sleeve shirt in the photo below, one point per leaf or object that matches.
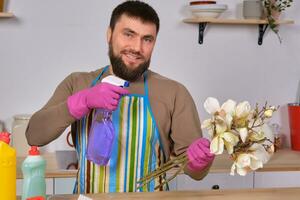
(173, 108)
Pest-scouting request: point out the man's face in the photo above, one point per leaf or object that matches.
(130, 47)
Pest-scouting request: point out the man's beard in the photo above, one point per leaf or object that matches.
(121, 70)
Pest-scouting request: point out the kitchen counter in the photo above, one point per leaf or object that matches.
(245, 194)
(283, 160)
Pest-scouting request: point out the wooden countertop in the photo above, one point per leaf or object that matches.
(283, 160)
(240, 194)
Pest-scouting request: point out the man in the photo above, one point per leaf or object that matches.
(154, 119)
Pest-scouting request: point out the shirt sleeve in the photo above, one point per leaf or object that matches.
(185, 127)
(51, 120)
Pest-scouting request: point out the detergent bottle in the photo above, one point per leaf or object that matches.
(33, 168)
(8, 168)
(101, 135)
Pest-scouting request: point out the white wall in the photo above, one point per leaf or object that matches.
(49, 39)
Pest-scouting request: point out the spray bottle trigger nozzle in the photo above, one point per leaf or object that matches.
(126, 84)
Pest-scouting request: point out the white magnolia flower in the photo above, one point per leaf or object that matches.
(221, 125)
(256, 136)
(251, 161)
(243, 134)
(212, 106)
(260, 152)
(243, 109)
(227, 138)
(208, 124)
(244, 163)
(222, 116)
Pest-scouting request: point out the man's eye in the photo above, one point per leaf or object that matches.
(128, 34)
(148, 40)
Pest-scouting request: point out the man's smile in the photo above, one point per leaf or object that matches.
(132, 58)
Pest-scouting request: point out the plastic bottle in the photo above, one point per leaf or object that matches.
(8, 168)
(102, 132)
(33, 168)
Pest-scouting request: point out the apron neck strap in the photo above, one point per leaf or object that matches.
(99, 76)
(146, 83)
(106, 68)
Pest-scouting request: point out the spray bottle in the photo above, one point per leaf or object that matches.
(102, 132)
(33, 168)
(8, 168)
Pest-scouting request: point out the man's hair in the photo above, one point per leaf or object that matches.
(136, 9)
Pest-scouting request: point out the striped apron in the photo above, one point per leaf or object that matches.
(137, 148)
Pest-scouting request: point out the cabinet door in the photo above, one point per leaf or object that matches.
(64, 185)
(173, 183)
(49, 186)
(276, 179)
(215, 181)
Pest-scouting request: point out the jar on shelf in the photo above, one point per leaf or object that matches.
(19, 141)
(277, 136)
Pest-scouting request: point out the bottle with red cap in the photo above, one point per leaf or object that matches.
(33, 168)
(8, 168)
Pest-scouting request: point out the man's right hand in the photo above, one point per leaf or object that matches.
(103, 95)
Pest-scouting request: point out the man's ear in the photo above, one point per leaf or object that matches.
(108, 34)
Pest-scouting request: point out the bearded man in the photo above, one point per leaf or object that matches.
(154, 119)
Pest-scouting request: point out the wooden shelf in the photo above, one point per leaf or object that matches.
(232, 21)
(262, 25)
(5, 14)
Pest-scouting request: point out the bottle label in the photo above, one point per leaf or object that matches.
(7, 162)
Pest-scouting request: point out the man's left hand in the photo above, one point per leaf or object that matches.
(199, 154)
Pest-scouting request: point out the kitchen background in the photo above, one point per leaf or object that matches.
(49, 39)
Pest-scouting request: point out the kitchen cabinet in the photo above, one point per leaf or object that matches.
(64, 185)
(276, 179)
(215, 181)
(173, 183)
(49, 186)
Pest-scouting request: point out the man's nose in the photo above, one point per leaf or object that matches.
(137, 45)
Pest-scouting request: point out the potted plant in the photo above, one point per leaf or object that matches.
(273, 9)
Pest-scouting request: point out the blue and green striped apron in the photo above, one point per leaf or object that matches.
(137, 148)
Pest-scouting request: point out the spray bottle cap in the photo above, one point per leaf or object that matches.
(114, 80)
(5, 137)
(34, 151)
(36, 198)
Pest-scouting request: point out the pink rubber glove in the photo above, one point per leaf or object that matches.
(102, 95)
(199, 154)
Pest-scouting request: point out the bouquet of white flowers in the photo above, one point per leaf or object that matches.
(236, 128)
(241, 131)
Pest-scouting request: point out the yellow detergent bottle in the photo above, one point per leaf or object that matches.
(8, 168)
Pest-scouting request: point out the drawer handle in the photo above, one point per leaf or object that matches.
(215, 187)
